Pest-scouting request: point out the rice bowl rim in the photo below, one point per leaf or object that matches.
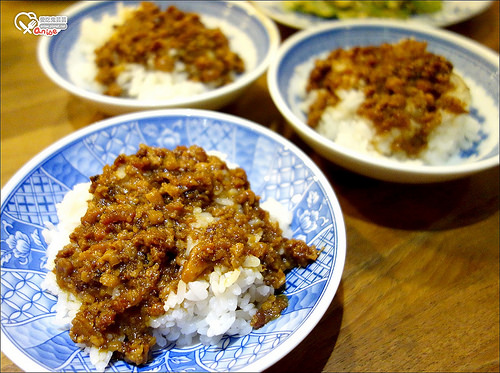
(324, 300)
(382, 164)
(239, 83)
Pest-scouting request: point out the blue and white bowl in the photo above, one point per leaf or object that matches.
(275, 167)
(476, 64)
(261, 32)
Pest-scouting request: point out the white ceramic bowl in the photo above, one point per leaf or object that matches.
(261, 33)
(476, 63)
(275, 168)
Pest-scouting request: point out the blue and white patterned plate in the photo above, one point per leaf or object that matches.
(275, 167)
(451, 13)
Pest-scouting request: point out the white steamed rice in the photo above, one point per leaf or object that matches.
(342, 125)
(137, 81)
(221, 303)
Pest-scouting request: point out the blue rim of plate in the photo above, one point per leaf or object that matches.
(469, 57)
(275, 167)
(52, 51)
(452, 13)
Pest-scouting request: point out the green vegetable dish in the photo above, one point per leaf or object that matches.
(364, 9)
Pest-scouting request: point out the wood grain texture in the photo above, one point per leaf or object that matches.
(420, 289)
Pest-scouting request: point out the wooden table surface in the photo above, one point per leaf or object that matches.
(420, 288)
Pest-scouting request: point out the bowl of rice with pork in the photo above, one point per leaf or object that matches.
(169, 240)
(127, 56)
(400, 102)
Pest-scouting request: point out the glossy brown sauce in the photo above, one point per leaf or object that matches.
(131, 248)
(405, 87)
(161, 39)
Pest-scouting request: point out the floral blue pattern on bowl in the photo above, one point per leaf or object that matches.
(275, 168)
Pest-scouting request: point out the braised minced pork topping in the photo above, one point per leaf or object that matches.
(405, 87)
(161, 39)
(133, 244)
